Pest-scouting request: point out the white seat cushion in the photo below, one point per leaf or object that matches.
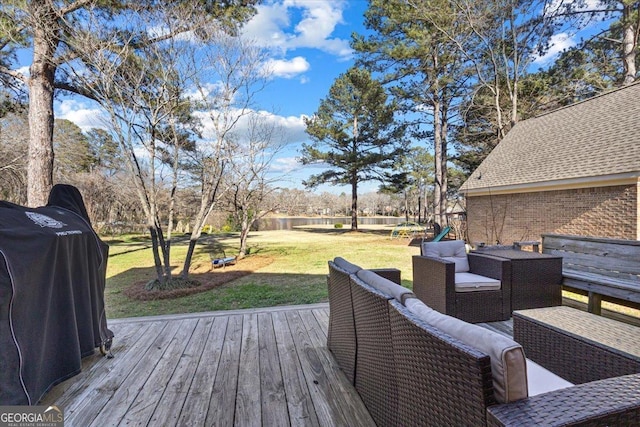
(541, 380)
(469, 282)
(451, 250)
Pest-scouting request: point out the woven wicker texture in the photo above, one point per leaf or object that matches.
(341, 337)
(535, 278)
(610, 402)
(578, 346)
(434, 284)
(375, 366)
(441, 381)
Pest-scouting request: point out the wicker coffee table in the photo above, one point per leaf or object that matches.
(536, 279)
(576, 345)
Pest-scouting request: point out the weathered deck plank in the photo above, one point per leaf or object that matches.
(253, 367)
(272, 393)
(338, 383)
(196, 404)
(248, 413)
(223, 398)
(174, 396)
(299, 403)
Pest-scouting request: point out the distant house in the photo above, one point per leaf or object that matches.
(575, 170)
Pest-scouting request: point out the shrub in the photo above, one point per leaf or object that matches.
(337, 225)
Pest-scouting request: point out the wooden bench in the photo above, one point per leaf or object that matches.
(601, 268)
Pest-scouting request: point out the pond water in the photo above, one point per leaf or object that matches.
(290, 223)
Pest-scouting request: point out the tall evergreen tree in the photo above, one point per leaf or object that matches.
(423, 70)
(354, 133)
(622, 34)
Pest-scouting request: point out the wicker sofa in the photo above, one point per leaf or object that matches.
(413, 366)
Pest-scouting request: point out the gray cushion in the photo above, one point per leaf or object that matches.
(346, 265)
(417, 307)
(469, 282)
(383, 285)
(508, 364)
(452, 250)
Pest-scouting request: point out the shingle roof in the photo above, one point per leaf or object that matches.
(593, 138)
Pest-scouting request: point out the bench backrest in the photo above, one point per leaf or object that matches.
(617, 258)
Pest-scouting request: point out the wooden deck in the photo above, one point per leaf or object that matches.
(267, 367)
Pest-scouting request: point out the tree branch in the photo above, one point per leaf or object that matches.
(13, 73)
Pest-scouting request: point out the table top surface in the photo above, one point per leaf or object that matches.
(612, 333)
(515, 254)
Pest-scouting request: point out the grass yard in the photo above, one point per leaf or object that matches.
(284, 267)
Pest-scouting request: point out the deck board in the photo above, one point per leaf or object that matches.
(196, 404)
(272, 393)
(299, 403)
(246, 368)
(222, 405)
(248, 413)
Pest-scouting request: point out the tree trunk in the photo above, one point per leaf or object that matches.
(444, 171)
(406, 206)
(438, 195)
(198, 224)
(41, 91)
(187, 260)
(156, 252)
(496, 103)
(244, 235)
(354, 203)
(629, 45)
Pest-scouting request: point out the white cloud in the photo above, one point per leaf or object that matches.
(557, 44)
(292, 128)
(285, 165)
(271, 26)
(286, 68)
(25, 71)
(557, 7)
(79, 113)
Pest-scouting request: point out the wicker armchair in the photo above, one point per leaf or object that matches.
(434, 282)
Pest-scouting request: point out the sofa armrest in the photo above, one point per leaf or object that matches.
(434, 282)
(612, 402)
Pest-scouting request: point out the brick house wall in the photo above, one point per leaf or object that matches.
(599, 212)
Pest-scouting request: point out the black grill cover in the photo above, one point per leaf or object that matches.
(52, 279)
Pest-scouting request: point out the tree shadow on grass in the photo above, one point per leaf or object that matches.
(204, 277)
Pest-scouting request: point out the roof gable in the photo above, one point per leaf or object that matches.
(594, 138)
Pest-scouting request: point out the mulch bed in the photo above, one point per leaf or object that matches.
(208, 278)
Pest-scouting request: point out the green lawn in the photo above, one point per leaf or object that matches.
(297, 274)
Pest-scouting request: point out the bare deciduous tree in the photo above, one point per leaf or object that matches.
(225, 94)
(145, 96)
(53, 30)
(251, 180)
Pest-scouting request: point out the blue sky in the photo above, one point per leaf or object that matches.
(308, 41)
